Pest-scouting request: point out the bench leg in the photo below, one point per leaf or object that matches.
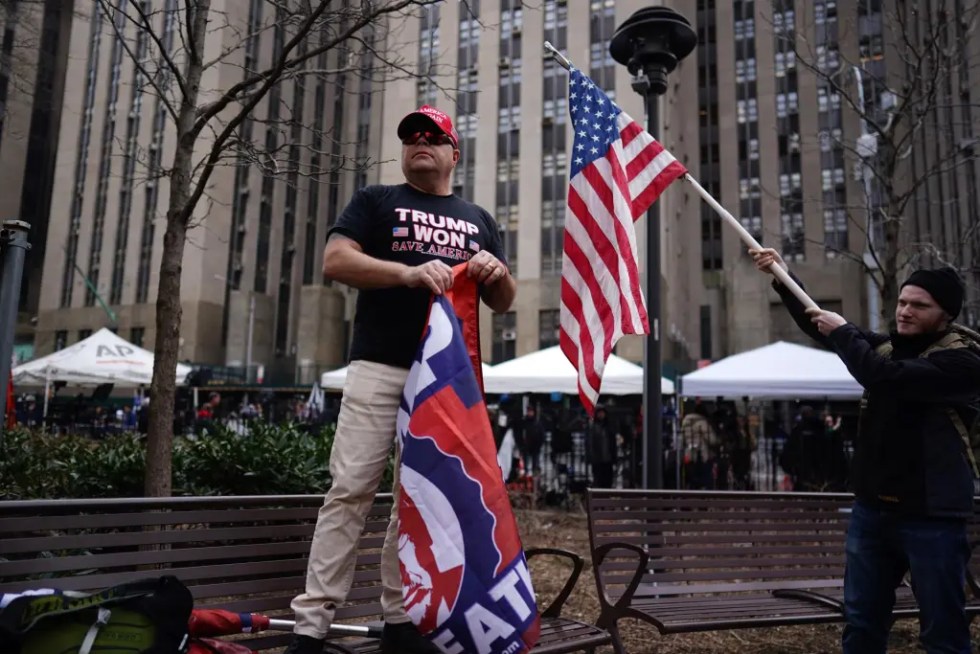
(610, 625)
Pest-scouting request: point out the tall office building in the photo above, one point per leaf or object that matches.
(33, 61)
(253, 266)
(252, 290)
(767, 138)
(778, 147)
(512, 114)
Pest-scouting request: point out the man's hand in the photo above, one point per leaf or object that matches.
(485, 268)
(434, 275)
(765, 258)
(826, 321)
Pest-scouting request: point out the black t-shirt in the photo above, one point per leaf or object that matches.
(403, 224)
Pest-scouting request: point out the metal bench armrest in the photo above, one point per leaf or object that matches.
(809, 596)
(598, 556)
(554, 609)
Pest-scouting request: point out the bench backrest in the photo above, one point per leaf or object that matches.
(725, 542)
(244, 554)
(716, 542)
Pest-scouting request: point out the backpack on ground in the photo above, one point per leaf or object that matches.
(143, 617)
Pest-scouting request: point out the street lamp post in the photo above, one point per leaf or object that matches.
(13, 250)
(650, 43)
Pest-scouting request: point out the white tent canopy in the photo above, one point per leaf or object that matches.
(778, 371)
(548, 371)
(334, 379)
(102, 358)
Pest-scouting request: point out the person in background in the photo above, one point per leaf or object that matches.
(128, 421)
(532, 440)
(699, 443)
(913, 475)
(805, 454)
(602, 449)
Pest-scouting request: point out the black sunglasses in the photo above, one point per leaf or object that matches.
(432, 138)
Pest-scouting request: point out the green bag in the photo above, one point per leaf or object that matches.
(143, 617)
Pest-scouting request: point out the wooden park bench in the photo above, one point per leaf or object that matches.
(243, 554)
(689, 561)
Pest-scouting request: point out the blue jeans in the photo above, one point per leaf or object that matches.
(881, 547)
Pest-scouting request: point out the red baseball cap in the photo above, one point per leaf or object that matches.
(427, 116)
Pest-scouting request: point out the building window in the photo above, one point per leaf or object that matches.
(129, 170)
(81, 158)
(548, 327)
(105, 163)
(60, 339)
(504, 337)
(745, 70)
(794, 238)
(154, 161)
(83, 334)
(835, 231)
(747, 110)
(745, 29)
(136, 335)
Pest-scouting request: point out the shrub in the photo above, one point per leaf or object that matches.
(265, 459)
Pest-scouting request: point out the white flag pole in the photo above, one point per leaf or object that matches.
(749, 240)
(746, 237)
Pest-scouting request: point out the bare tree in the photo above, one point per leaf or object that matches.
(173, 48)
(903, 70)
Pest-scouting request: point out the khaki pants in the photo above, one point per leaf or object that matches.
(365, 433)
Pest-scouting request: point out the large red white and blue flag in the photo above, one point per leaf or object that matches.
(617, 171)
(464, 575)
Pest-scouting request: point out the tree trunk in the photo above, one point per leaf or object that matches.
(159, 443)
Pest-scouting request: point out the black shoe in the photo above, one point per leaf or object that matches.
(304, 645)
(404, 638)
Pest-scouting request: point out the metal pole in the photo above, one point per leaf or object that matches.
(13, 241)
(251, 327)
(653, 443)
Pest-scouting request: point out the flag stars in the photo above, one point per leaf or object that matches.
(579, 161)
(594, 150)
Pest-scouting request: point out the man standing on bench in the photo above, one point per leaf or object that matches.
(914, 469)
(397, 245)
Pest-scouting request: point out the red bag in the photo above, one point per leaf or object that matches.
(215, 646)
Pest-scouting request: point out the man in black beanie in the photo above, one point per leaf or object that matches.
(913, 470)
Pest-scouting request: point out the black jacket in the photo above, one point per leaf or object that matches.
(908, 455)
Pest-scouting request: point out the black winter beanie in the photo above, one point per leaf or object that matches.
(943, 284)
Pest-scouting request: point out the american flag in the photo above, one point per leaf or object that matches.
(617, 171)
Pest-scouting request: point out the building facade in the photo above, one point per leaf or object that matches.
(770, 140)
(33, 62)
(779, 146)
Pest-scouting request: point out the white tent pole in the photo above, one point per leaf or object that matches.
(47, 391)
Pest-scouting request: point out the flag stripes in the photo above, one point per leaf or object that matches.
(618, 170)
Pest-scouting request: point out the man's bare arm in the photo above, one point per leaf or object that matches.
(500, 295)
